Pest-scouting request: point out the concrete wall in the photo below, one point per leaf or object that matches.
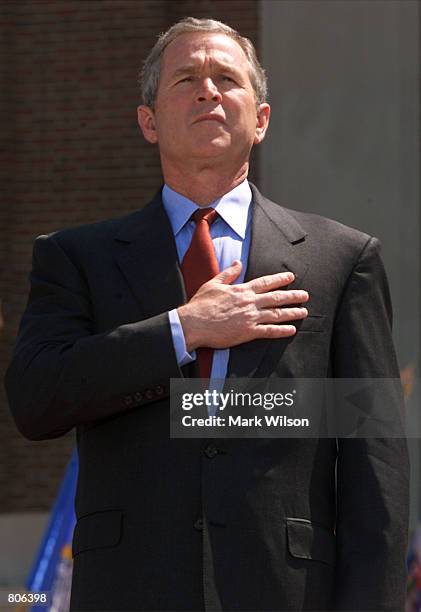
(344, 137)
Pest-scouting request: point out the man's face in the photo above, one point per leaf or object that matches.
(205, 106)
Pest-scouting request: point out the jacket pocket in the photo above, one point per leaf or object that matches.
(313, 323)
(97, 530)
(307, 540)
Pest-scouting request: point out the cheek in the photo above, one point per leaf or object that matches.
(246, 122)
(244, 111)
(173, 120)
(168, 125)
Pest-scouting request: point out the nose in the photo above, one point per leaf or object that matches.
(208, 91)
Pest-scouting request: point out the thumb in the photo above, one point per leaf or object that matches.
(228, 275)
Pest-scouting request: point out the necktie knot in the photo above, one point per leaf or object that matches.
(205, 214)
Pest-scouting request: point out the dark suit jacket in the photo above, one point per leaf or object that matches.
(251, 524)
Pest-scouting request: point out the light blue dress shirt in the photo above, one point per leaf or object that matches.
(230, 234)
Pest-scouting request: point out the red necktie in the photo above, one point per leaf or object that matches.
(198, 266)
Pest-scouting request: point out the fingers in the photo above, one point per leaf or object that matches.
(263, 284)
(275, 331)
(281, 298)
(282, 315)
(228, 275)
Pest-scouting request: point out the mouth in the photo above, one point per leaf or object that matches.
(209, 117)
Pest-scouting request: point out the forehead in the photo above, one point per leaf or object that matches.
(201, 46)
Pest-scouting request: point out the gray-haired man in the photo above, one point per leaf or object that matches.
(244, 524)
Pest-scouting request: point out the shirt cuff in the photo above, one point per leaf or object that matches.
(183, 357)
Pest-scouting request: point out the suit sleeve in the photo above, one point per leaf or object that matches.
(372, 473)
(62, 373)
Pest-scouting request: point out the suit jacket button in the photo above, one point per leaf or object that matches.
(159, 389)
(138, 396)
(128, 400)
(211, 451)
(198, 525)
(149, 394)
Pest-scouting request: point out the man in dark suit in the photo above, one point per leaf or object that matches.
(113, 314)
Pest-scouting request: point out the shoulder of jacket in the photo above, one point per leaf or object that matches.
(88, 232)
(317, 228)
(329, 228)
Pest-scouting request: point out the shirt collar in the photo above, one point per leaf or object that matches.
(232, 207)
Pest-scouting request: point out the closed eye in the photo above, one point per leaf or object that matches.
(224, 77)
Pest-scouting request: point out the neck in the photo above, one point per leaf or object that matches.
(203, 185)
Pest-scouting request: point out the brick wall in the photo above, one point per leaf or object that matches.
(71, 153)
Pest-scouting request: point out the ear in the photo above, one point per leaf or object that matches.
(262, 122)
(146, 121)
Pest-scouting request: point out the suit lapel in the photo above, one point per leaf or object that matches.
(146, 254)
(275, 236)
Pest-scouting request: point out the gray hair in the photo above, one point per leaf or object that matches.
(149, 76)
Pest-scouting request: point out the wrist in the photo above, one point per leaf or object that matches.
(191, 337)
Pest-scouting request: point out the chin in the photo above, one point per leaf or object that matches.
(211, 149)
